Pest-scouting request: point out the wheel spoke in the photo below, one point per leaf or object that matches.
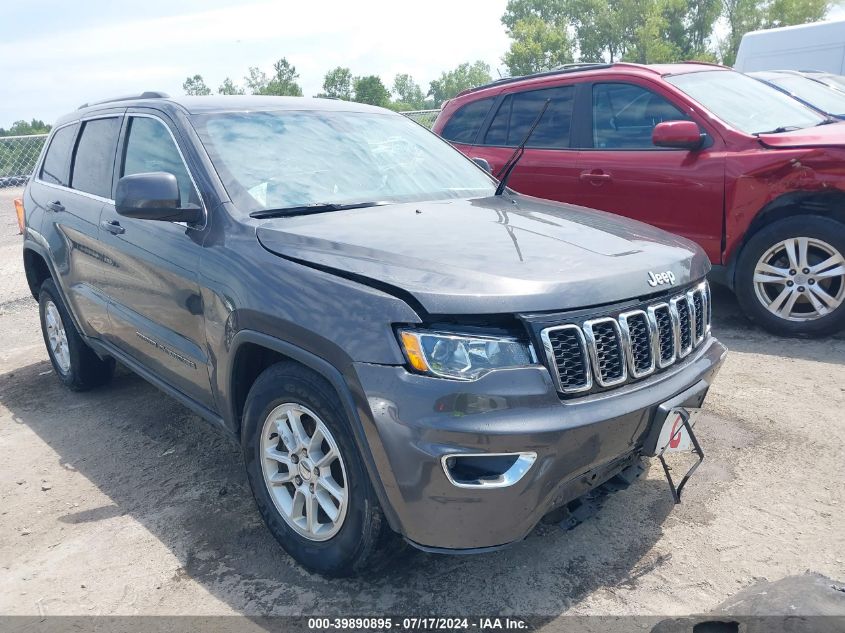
(332, 511)
(276, 455)
(277, 479)
(299, 433)
(778, 302)
(316, 441)
(786, 310)
(330, 485)
(326, 459)
(311, 510)
(803, 244)
(791, 252)
(286, 435)
(830, 302)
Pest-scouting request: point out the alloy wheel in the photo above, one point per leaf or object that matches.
(57, 337)
(304, 471)
(800, 279)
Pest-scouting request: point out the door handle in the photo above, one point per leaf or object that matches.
(596, 177)
(113, 227)
(55, 206)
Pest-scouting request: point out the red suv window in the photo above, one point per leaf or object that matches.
(624, 115)
(464, 124)
(518, 111)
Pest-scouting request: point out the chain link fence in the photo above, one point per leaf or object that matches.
(423, 117)
(18, 155)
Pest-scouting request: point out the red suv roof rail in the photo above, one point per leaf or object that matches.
(560, 70)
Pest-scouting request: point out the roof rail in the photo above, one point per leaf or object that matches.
(694, 61)
(559, 70)
(149, 94)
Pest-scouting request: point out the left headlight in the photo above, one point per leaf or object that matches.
(463, 356)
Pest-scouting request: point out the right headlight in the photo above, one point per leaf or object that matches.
(463, 356)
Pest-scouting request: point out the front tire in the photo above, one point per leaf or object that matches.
(791, 276)
(74, 362)
(306, 475)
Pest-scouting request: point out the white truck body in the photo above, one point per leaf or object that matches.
(816, 46)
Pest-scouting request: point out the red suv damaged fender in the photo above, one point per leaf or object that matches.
(762, 190)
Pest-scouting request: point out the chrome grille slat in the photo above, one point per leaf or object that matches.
(567, 346)
(607, 351)
(610, 351)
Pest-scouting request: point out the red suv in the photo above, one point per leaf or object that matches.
(753, 176)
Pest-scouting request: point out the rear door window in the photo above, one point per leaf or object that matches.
(465, 123)
(93, 163)
(624, 116)
(150, 148)
(57, 161)
(519, 110)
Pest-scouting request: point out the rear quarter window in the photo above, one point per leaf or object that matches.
(519, 111)
(57, 161)
(466, 121)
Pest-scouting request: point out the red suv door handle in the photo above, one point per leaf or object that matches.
(597, 177)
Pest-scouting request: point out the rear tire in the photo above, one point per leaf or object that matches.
(790, 276)
(74, 362)
(288, 407)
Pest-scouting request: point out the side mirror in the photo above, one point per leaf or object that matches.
(678, 135)
(153, 196)
(481, 162)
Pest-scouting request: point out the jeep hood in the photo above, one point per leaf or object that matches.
(830, 135)
(490, 255)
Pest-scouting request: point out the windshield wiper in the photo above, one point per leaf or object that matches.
(317, 207)
(779, 130)
(507, 168)
(828, 121)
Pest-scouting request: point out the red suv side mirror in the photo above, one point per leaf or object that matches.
(677, 134)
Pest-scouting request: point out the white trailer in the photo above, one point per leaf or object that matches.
(816, 46)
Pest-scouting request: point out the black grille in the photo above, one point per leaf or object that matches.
(698, 305)
(640, 342)
(686, 330)
(665, 334)
(569, 356)
(609, 356)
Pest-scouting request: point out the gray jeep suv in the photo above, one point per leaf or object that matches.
(397, 348)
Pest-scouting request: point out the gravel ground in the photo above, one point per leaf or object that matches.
(120, 501)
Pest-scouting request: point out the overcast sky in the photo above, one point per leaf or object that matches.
(55, 55)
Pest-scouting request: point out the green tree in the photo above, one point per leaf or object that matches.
(338, 84)
(370, 89)
(195, 87)
(743, 16)
(537, 45)
(283, 82)
(25, 128)
(256, 80)
(228, 87)
(461, 78)
(608, 30)
(409, 95)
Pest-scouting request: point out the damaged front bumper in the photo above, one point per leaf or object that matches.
(475, 465)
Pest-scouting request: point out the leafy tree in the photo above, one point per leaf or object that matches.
(409, 95)
(195, 87)
(24, 128)
(537, 45)
(283, 81)
(228, 87)
(608, 30)
(338, 84)
(371, 89)
(256, 81)
(461, 78)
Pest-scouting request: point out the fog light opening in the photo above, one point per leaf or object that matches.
(487, 470)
